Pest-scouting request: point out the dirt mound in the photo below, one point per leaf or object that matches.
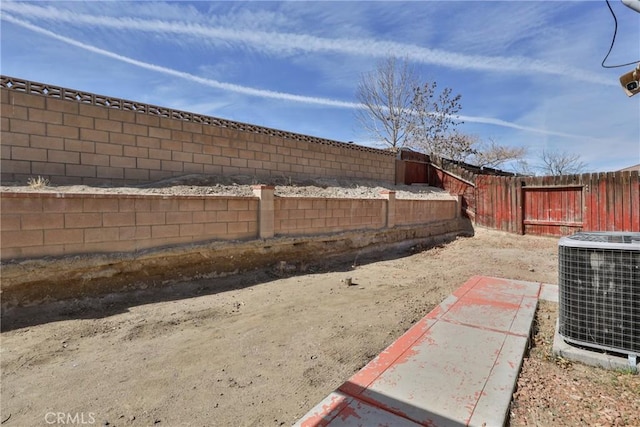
(240, 186)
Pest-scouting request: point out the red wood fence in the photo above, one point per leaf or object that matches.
(550, 205)
(412, 168)
(455, 185)
(559, 205)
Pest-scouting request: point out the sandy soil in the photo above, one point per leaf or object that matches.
(262, 349)
(240, 185)
(260, 353)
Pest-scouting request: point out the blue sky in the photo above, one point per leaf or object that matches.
(529, 72)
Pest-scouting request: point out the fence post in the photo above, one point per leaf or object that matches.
(391, 207)
(401, 176)
(519, 189)
(266, 213)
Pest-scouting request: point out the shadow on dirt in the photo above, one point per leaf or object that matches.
(115, 303)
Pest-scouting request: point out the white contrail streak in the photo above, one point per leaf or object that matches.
(288, 42)
(248, 90)
(187, 76)
(503, 123)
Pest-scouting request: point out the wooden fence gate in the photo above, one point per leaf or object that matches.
(548, 206)
(552, 211)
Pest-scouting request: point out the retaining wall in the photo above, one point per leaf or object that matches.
(62, 246)
(58, 224)
(74, 137)
(411, 212)
(296, 216)
(55, 224)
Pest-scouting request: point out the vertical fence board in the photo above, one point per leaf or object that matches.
(511, 223)
(504, 212)
(480, 194)
(587, 194)
(619, 201)
(514, 205)
(610, 206)
(634, 210)
(497, 205)
(488, 203)
(625, 191)
(498, 191)
(519, 206)
(595, 202)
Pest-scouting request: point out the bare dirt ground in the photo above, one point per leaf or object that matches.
(261, 349)
(240, 186)
(554, 391)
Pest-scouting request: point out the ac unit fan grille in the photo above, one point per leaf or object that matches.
(599, 298)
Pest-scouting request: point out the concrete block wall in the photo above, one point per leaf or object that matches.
(409, 212)
(40, 224)
(54, 224)
(319, 216)
(72, 137)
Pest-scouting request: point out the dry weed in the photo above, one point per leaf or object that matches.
(38, 183)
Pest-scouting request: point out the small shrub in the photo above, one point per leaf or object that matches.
(37, 183)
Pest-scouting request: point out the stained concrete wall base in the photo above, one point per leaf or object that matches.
(37, 281)
(593, 357)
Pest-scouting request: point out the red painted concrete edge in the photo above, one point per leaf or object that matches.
(398, 351)
(401, 350)
(326, 413)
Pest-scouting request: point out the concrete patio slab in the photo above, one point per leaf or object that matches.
(592, 357)
(457, 366)
(340, 410)
(440, 379)
(549, 292)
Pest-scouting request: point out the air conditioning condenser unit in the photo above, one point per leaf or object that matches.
(599, 291)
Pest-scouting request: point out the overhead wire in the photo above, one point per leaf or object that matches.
(613, 40)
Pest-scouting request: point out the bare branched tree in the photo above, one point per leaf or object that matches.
(471, 149)
(551, 163)
(493, 155)
(401, 111)
(454, 146)
(386, 95)
(523, 167)
(560, 163)
(435, 121)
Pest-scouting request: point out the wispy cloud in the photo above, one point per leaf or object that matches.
(503, 123)
(249, 90)
(176, 73)
(287, 43)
